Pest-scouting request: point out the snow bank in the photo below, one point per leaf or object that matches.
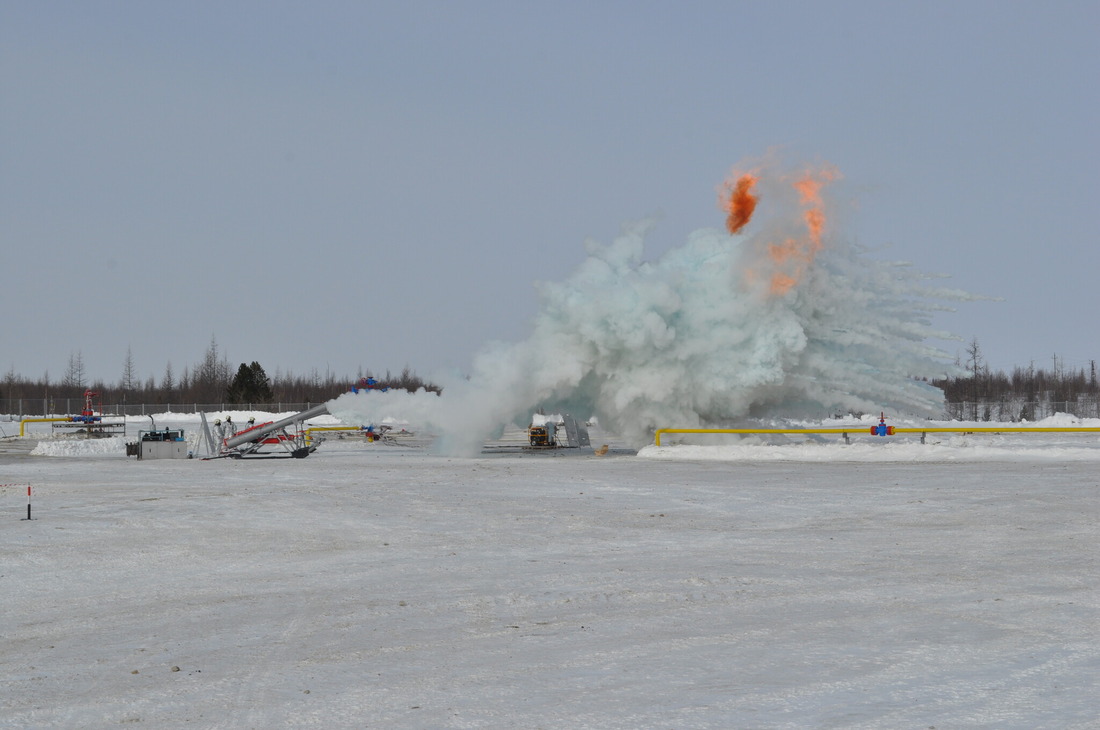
(113, 446)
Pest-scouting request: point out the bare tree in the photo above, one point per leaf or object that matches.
(168, 382)
(212, 376)
(74, 376)
(129, 377)
(975, 366)
(12, 383)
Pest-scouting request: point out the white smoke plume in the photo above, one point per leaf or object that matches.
(783, 319)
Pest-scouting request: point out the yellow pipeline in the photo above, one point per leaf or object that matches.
(866, 430)
(1001, 429)
(25, 421)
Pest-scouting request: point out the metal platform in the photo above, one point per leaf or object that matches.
(94, 429)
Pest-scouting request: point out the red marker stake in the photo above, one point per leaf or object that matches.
(28, 496)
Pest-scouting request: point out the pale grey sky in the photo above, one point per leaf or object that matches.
(330, 185)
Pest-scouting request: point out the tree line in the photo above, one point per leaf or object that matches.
(211, 380)
(1024, 394)
(977, 393)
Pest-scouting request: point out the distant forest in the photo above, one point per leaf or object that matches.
(977, 393)
(212, 380)
(1025, 394)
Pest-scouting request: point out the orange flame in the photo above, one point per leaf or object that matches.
(809, 190)
(792, 258)
(789, 261)
(789, 251)
(740, 202)
(781, 284)
(815, 221)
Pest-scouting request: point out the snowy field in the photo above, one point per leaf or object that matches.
(763, 585)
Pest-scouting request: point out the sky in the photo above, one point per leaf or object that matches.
(345, 186)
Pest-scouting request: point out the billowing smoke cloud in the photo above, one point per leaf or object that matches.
(785, 319)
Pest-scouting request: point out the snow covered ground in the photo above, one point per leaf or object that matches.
(885, 584)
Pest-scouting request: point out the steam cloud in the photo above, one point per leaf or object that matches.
(784, 319)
